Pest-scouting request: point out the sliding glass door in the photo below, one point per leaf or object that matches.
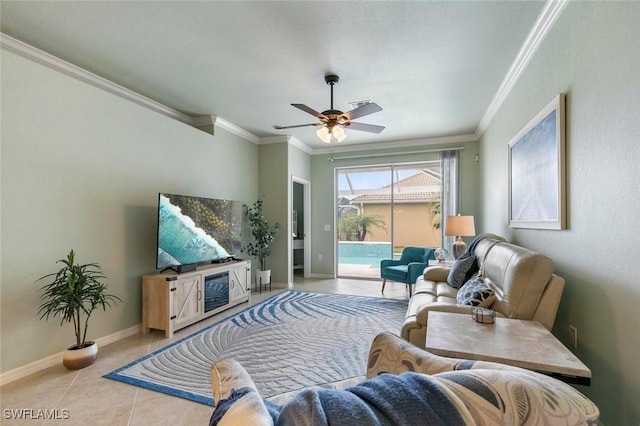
(381, 210)
(364, 227)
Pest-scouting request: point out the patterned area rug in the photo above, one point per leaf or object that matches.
(288, 342)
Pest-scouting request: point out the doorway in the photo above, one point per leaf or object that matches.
(381, 210)
(299, 229)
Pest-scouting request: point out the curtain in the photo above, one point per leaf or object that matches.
(450, 199)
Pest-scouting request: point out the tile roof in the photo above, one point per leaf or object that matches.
(420, 187)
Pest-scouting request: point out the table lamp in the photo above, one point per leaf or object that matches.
(459, 226)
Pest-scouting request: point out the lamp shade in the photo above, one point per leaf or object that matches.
(324, 135)
(459, 226)
(338, 133)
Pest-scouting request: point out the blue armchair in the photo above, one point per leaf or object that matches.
(408, 268)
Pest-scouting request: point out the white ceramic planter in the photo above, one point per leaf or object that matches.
(263, 277)
(75, 359)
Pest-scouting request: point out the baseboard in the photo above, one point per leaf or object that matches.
(55, 359)
(324, 276)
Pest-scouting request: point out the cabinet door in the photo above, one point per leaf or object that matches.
(187, 300)
(238, 287)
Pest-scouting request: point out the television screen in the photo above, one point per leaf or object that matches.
(194, 230)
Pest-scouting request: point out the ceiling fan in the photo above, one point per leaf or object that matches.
(334, 121)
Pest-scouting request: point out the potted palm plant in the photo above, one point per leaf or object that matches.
(74, 292)
(263, 236)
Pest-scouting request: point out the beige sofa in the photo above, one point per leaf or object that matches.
(523, 281)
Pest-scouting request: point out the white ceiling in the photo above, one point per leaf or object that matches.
(433, 66)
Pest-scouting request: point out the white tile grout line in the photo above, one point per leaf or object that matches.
(64, 393)
(135, 396)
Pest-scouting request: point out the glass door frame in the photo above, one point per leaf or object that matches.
(393, 183)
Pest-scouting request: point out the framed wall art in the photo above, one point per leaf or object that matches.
(537, 182)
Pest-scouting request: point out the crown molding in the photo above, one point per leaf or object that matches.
(26, 50)
(542, 26)
(300, 145)
(81, 74)
(236, 130)
(268, 140)
(288, 139)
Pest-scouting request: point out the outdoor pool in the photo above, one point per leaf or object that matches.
(363, 252)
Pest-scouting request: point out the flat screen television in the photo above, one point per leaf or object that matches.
(196, 230)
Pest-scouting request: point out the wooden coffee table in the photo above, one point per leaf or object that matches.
(525, 344)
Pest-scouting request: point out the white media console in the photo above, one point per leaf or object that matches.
(171, 301)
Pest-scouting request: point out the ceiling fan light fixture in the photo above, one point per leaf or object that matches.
(338, 133)
(334, 121)
(324, 134)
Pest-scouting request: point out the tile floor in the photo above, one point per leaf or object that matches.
(84, 397)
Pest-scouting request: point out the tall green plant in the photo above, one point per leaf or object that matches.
(262, 232)
(358, 225)
(435, 219)
(73, 294)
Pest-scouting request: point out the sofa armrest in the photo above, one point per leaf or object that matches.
(437, 273)
(525, 397)
(226, 375)
(549, 302)
(227, 378)
(391, 354)
(390, 262)
(423, 311)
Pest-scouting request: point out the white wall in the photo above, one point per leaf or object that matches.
(592, 54)
(81, 169)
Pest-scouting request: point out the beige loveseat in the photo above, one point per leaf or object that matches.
(523, 281)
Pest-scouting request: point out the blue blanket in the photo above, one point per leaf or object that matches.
(407, 399)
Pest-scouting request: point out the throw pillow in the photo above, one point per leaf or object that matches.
(461, 270)
(476, 292)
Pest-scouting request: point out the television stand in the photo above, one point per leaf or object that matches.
(172, 300)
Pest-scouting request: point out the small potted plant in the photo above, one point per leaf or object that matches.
(263, 236)
(74, 292)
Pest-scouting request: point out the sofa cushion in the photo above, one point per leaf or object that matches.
(397, 273)
(461, 271)
(437, 291)
(476, 292)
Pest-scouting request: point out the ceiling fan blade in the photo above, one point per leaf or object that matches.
(363, 110)
(309, 110)
(371, 128)
(297, 125)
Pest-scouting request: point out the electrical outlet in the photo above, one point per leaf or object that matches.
(574, 336)
(320, 257)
